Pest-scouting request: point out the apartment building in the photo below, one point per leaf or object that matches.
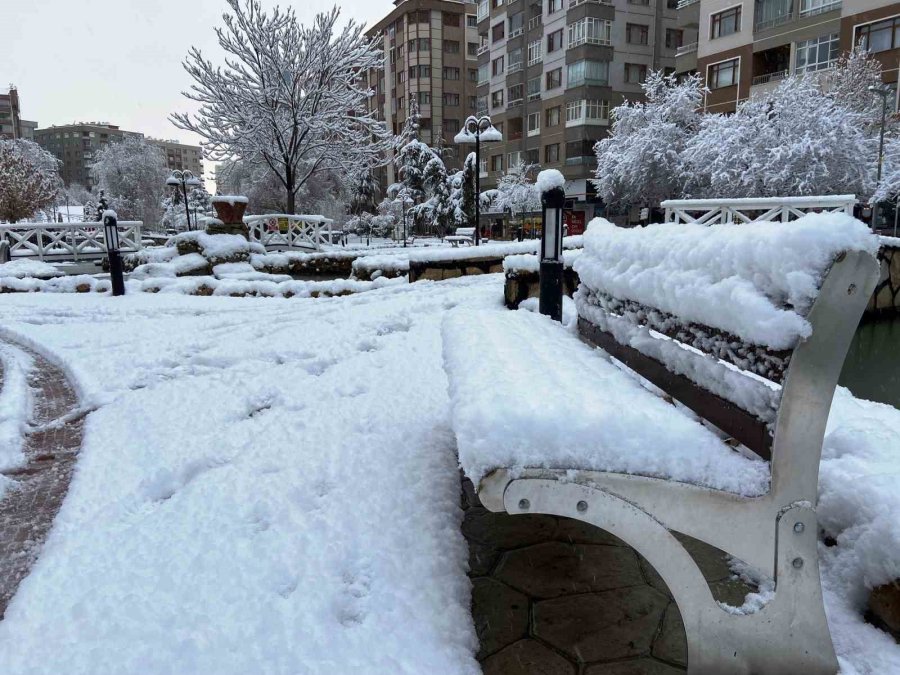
(12, 125)
(76, 145)
(550, 71)
(430, 56)
(742, 47)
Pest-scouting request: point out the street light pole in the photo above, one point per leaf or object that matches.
(184, 178)
(476, 129)
(884, 92)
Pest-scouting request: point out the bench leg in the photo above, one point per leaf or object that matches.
(786, 637)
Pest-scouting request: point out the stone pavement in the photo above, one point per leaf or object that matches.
(554, 596)
(51, 445)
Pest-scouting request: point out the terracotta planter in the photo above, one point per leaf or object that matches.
(230, 212)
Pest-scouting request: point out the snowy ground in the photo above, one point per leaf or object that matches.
(271, 485)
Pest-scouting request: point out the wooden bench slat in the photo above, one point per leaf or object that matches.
(736, 422)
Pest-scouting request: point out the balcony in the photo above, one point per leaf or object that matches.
(769, 77)
(774, 21)
(575, 3)
(830, 7)
(514, 103)
(535, 21)
(686, 3)
(514, 67)
(483, 49)
(515, 33)
(684, 50)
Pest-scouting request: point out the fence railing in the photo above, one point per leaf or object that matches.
(763, 209)
(689, 48)
(67, 241)
(769, 77)
(284, 230)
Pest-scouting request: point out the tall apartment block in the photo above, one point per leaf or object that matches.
(76, 145)
(742, 47)
(430, 56)
(550, 71)
(12, 126)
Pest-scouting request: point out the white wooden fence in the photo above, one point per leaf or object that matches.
(710, 211)
(278, 231)
(67, 241)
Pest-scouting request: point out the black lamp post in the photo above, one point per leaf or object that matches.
(475, 130)
(184, 179)
(883, 91)
(553, 201)
(111, 233)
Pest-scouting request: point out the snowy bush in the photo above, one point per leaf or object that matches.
(516, 191)
(29, 179)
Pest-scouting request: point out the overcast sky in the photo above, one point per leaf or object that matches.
(119, 61)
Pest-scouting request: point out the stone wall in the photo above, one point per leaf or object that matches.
(885, 302)
(437, 270)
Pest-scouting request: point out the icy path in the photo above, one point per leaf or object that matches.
(268, 486)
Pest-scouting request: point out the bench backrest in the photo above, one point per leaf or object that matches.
(747, 325)
(465, 232)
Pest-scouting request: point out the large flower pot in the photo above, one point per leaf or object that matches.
(230, 215)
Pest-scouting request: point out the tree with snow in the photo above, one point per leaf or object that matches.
(850, 81)
(29, 179)
(795, 140)
(412, 159)
(516, 191)
(439, 209)
(289, 97)
(132, 173)
(364, 191)
(639, 162)
(462, 193)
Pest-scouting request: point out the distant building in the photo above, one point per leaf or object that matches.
(11, 123)
(76, 146)
(744, 47)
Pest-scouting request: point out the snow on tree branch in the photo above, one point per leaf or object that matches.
(29, 179)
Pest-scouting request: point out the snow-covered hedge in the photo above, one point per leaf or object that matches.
(21, 268)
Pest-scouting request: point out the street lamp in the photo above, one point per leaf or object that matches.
(184, 178)
(475, 130)
(884, 91)
(111, 232)
(553, 200)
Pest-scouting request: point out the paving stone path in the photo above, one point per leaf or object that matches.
(554, 596)
(52, 442)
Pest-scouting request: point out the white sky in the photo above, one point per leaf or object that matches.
(119, 61)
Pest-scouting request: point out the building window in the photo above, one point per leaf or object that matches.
(534, 52)
(574, 111)
(516, 24)
(591, 31)
(451, 19)
(534, 88)
(497, 99)
(423, 97)
(498, 32)
(483, 10)
(471, 19)
(419, 44)
(482, 73)
(472, 48)
(515, 60)
(552, 116)
(811, 7)
(554, 6)
(587, 72)
(725, 23)
(451, 73)
(425, 124)
(554, 79)
(498, 3)
(639, 2)
(637, 33)
(596, 110)
(635, 73)
(497, 66)
(723, 74)
(400, 102)
(554, 41)
(496, 162)
(451, 100)
(551, 153)
(674, 38)
(532, 156)
(479, 103)
(422, 16)
(473, 74)
(419, 72)
(516, 94)
(451, 46)
(880, 35)
(817, 54)
(534, 122)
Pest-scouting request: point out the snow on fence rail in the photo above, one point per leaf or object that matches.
(285, 230)
(75, 241)
(754, 210)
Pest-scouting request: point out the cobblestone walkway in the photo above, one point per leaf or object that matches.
(554, 596)
(51, 445)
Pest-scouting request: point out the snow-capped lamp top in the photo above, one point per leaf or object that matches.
(109, 213)
(489, 135)
(228, 199)
(549, 179)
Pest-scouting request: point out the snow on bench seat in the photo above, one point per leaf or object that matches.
(527, 393)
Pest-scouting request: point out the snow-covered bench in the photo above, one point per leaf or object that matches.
(746, 327)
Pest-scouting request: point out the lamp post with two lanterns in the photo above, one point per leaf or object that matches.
(184, 179)
(477, 130)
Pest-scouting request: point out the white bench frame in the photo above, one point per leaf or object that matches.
(776, 533)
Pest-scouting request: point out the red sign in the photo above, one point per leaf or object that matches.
(575, 222)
